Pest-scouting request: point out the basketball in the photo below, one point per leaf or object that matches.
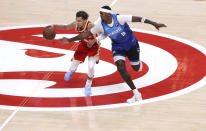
(49, 33)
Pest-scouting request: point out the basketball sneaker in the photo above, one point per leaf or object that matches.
(135, 98)
(68, 76)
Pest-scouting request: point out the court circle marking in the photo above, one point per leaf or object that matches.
(148, 34)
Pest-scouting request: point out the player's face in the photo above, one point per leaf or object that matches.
(80, 22)
(105, 16)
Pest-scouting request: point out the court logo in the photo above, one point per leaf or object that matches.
(32, 74)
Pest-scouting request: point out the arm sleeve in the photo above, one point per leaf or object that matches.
(101, 37)
(97, 29)
(124, 18)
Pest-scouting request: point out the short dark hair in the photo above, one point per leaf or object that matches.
(106, 7)
(82, 14)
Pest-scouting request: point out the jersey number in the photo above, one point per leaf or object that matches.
(123, 33)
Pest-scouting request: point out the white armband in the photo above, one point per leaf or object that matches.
(143, 19)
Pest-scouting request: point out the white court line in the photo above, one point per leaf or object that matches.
(21, 104)
(112, 4)
(9, 118)
(18, 108)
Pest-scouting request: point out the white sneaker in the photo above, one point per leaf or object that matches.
(68, 76)
(135, 98)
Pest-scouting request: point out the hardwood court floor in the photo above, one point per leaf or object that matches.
(185, 19)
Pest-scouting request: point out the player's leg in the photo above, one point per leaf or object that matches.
(133, 55)
(119, 58)
(72, 69)
(91, 65)
(79, 57)
(93, 58)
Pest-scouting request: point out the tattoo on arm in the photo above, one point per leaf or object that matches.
(81, 36)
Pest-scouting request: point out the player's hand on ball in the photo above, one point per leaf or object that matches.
(49, 33)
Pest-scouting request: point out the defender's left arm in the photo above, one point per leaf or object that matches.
(144, 20)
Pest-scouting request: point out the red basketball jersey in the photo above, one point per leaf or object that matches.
(84, 30)
(83, 50)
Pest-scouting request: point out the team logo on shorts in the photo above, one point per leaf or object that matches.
(32, 71)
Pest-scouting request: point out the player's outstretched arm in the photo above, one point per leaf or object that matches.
(65, 27)
(144, 20)
(81, 36)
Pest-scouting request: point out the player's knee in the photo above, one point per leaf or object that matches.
(120, 66)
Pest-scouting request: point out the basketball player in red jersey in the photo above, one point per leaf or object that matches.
(84, 49)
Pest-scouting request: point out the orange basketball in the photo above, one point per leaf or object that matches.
(49, 33)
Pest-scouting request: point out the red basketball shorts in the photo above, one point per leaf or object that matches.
(83, 51)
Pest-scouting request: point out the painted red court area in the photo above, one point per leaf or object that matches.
(190, 70)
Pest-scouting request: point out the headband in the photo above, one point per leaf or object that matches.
(105, 10)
